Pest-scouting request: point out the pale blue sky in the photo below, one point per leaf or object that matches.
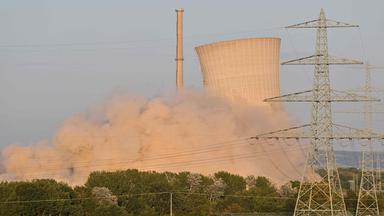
(58, 58)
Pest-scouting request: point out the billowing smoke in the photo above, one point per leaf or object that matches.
(189, 131)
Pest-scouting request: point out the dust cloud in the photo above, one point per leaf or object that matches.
(187, 131)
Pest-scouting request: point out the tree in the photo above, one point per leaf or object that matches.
(265, 197)
(234, 184)
(39, 197)
(110, 210)
(104, 196)
(194, 181)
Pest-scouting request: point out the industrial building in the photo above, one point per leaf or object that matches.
(242, 70)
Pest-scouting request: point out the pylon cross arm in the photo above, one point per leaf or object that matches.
(318, 24)
(308, 96)
(340, 132)
(318, 59)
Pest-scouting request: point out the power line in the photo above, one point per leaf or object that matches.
(205, 148)
(135, 41)
(143, 194)
(170, 164)
(181, 164)
(155, 193)
(194, 149)
(320, 192)
(274, 164)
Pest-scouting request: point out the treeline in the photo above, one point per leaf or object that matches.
(133, 192)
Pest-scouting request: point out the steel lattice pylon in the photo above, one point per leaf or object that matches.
(370, 178)
(323, 196)
(320, 190)
(367, 204)
(367, 200)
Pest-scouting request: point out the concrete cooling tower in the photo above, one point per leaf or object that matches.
(244, 69)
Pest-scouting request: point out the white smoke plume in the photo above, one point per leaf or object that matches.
(189, 131)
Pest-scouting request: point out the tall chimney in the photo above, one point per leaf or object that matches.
(179, 49)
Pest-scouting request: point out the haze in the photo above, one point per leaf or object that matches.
(58, 58)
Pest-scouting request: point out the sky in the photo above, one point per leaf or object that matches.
(59, 58)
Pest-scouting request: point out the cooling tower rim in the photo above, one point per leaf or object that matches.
(220, 43)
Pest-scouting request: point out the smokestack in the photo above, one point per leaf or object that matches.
(179, 49)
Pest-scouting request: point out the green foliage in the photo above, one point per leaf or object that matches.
(233, 183)
(133, 192)
(16, 193)
(110, 210)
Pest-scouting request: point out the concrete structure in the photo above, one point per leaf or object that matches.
(179, 49)
(244, 69)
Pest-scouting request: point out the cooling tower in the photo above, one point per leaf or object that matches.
(244, 69)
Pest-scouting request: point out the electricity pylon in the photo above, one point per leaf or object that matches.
(367, 199)
(320, 190)
(367, 204)
(370, 181)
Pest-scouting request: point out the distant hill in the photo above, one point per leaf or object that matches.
(352, 158)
